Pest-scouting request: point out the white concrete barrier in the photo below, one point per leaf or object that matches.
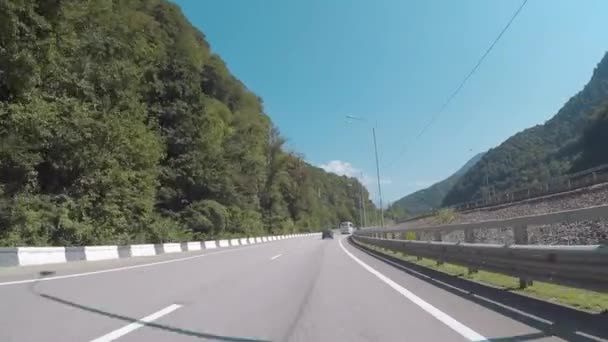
(93, 253)
(172, 247)
(142, 250)
(210, 244)
(193, 246)
(41, 255)
(22, 256)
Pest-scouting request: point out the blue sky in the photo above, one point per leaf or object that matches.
(395, 62)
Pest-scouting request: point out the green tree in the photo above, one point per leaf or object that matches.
(118, 124)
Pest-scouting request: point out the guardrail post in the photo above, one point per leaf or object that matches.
(520, 236)
(437, 237)
(417, 238)
(469, 237)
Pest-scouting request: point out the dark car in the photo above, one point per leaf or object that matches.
(327, 234)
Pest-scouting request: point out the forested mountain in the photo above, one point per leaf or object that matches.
(544, 151)
(431, 198)
(118, 124)
(594, 142)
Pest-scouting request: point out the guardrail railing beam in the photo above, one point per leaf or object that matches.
(577, 266)
(583, 266)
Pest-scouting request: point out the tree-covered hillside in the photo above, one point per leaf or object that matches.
(593, 145)
(431, 198)
(119, 124)
(540, 152)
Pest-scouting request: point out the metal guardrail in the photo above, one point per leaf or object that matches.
(578, 266)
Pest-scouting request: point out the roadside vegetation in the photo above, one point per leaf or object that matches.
(119, 124)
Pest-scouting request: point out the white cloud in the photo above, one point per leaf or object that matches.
(344, 168)
(341, 168)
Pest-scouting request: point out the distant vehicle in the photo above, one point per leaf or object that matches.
(347, 228)
(327, 234)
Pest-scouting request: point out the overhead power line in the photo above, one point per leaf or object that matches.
(464, 81)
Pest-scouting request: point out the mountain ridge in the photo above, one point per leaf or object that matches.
(536, 154)
(430, 198)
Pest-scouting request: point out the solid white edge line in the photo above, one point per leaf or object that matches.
(444, 318)
(529, 315)
(116, 334)
(542, 320)
(276, 256)
(75, 275)
(125, 268)
(595, 338)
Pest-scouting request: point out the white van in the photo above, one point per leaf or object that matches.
(347, 228)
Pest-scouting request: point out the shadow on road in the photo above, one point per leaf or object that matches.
(526, 337)
(127, 319)
(550, 319)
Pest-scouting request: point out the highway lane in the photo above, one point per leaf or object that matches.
(303, 289)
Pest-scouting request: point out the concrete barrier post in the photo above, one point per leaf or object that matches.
(9, 256)
(520, 237)
(469, 237)
(41, 255)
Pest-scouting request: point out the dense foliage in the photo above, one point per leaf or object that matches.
(431, 198)
(118, 124)
(544, 151)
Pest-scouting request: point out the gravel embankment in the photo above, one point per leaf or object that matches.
(570, 233)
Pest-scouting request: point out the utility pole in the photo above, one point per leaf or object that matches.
(378, 175)
(362, 219)
(363, 203)
(377, 166)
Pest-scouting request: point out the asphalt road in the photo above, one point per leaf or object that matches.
(303, 289)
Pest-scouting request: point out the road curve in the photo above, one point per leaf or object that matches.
(304, 289)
